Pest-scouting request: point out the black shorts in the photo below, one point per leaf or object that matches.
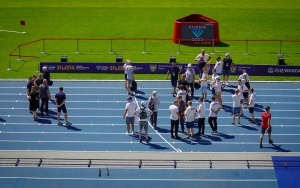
(247, 84)
(251, 110)
(62, 108)
(263, 131)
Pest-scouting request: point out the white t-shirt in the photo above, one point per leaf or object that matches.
(182, 93)
(218, 86)
(130, 106)
(204, 79)
(173, 109)
(190, 75)
(247, 78)
(201, 112)
(252, 97)
(190, 113)
(213, 78)
(218, 67)
(243, 80)
(213, 106)
(130, 72)
(205, 57)
(242, 88)
(236, 100)
(125, 69)
(139, 110)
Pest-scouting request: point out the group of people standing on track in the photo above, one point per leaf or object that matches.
(38, 90)
(183, 113)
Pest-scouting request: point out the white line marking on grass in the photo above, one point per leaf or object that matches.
(158, 132)
(9, 31)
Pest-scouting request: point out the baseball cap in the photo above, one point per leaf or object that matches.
(154, 92)
(227, 54)
(143, 103)
(189, 65)
(129, 98)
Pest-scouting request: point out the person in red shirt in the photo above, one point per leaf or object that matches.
(266, 126)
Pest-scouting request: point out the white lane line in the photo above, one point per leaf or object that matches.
(162, 117)
(161, 125)
(142, 179)
(162, 102)
(112, 94)
(114, 133)
(120, 109)
(136, 142)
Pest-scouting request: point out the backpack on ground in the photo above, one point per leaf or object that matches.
(143, 114)
(151, 104)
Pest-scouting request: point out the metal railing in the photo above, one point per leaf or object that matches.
(144, 45)
(134, 163)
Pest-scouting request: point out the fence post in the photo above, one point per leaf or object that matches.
(43, 51)
(20, 59)
(77, 47)
(144, 52)
(37, 60)
(9, 63)
(213, 46)
(246, 53)
(280, 52)
(111, 47)
(179, 46)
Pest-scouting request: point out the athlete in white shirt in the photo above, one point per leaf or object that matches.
(128, 114)
(243, 92)
(218, 90)
(125, 72)
(190, 115)
(203, 81)
(236, 98)
(201, 116)
(182, 92)
(214, 109)
(175, 117)
(252, 101)
(218, 66)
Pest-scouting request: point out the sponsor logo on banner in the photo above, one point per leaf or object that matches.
(271, 70)
(116, 68)
(233, 69)
(197, 30)
(152, 67)
(65, 67)
(102, 68)
(82, 68)
(180, 67)
(50, 67)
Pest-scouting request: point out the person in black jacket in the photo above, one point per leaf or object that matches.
(226, 69)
